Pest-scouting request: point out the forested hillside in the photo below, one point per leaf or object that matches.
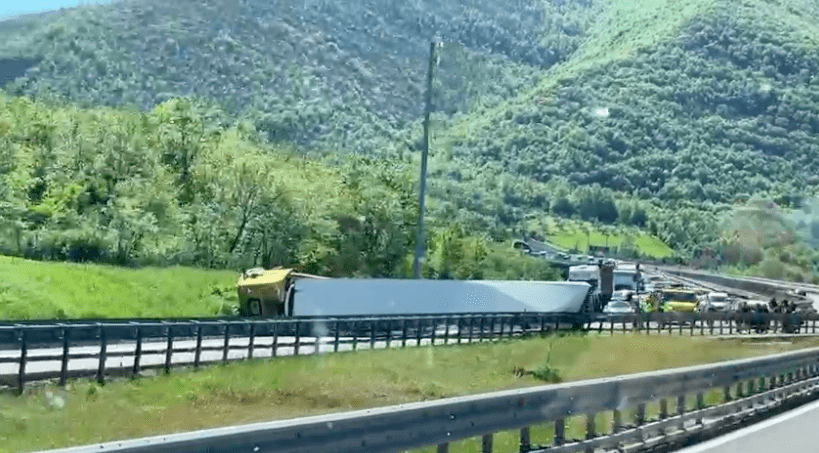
(168, 187)
(654, 114)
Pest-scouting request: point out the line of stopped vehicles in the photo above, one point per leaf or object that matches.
(598, 286)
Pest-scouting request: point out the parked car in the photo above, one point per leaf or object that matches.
(715, 302)
(620, 307)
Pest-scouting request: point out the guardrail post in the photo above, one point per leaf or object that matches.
(486, 443)
(137, 352)
(251, 340)
(274, 344)
(103, 355)
(700, 406)
(418, 332)
(560, 432)
(663, 409)
(726, 394)
(404, 334)
(64, 362)
(460, 327)
(197, 356)
(446, 330)
(297, 341)
(372, 333)
(525, 442)
(433, 322)
(317, 336)
(443, 448)
(226, 344)
(680, 404)
(640, 416)
(492, 323)
(591, 427)
(169, 350)
(542, 323)
(471, 328)
(335, 338)
(21, 374)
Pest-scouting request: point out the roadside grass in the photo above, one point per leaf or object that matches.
(571, 234)
(47, 290)
(85, 412)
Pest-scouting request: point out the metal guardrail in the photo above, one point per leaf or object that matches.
(141, 345)
(106, 342)
(756, 285)
(747, 387)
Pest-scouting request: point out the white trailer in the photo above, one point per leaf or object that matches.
(352, 297)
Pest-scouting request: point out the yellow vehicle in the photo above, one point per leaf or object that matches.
(679, 300)
(264, 292)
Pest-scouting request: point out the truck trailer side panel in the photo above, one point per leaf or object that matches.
(342, 297)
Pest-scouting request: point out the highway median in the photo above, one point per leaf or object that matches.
(48, 416)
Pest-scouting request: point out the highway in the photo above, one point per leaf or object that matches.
(791, 432)
(153, 353)
(120, 354)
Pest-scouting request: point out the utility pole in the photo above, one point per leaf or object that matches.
(419, 244)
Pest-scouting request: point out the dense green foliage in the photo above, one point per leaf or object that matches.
(168, 187)
(296, 75)
(654, 114)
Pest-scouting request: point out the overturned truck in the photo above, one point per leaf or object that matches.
(286, 293)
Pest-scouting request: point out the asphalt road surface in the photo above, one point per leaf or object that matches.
(792, 432)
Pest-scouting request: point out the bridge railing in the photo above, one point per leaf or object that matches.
(746, 389)
(36, 352)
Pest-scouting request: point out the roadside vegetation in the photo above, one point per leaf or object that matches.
(578, 235)
(37, 290)
(50, 290)
(49, 416)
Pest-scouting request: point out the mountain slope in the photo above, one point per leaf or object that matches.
(589, 108)
(304, 70)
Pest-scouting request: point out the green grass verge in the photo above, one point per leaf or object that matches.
(572, 234)
(84, 412)
(41, 290)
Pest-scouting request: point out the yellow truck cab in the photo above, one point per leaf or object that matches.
(263, 292)
(267, 292)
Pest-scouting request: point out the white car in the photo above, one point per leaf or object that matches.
(715, 302)
(619, 307)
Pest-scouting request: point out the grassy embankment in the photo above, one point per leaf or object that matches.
(575, 234)
(49, 290)
(290, 387)
(38, 290)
